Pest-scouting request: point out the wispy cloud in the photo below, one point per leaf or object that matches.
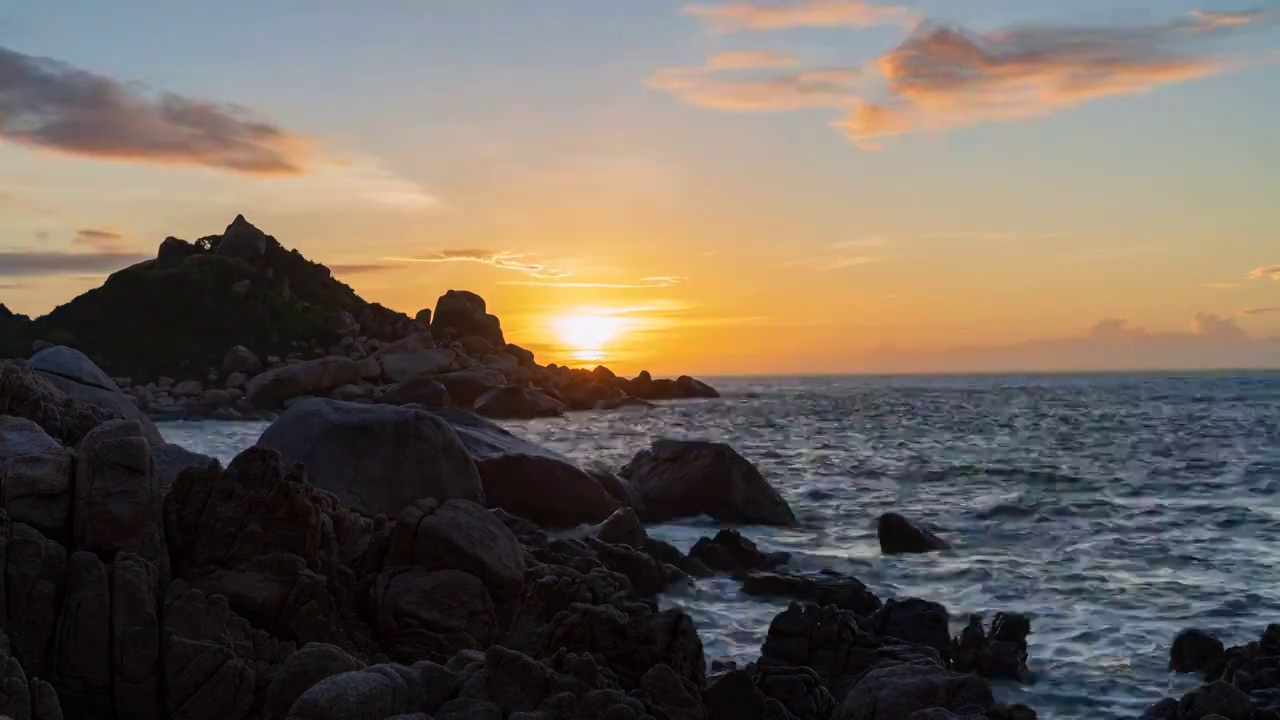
(498, 259)
(664, 281)
(50, 105)
(1271, 271)
(977, 235)
(1222, 285)
(847, 262)
(750, 60)
(1260, 310)
(22, 263)
(1208, 20)
(717, 88)
(98, 239)
(758, 16)
(363, 268)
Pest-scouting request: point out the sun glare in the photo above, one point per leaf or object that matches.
(587, 335)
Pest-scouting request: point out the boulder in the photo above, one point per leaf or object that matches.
(897, 691)
(242, 241)
(432, 614)
(26, 394)
(730, 552)
(36, 486)
(187, 388)
(82, 643)
(685, 478)
(1217, 698)
(377, 459)
(824, 588)
(75, 374)
(312, 377)
(919, 622)
(426, 392)
(34, 575)
(117, 504)
(899, 536)
(423, 316)
(461, 314)
(516, 403)
(240, 359)
(523, 357)
(135, 633)
(529, 480)
(622, 528)
(1195, 651)
(687, 387)
(173, 251)
(359, 695)
(402, 367)
(171, 460)
(466, 386)
(353, 393)
(20, 436)
(303, 670)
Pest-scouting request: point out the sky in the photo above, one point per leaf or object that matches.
(713, 187)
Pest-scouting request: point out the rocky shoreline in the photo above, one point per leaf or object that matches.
(284, 330)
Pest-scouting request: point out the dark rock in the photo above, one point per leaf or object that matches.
(406, 366)
(730, 552)
(117, 504)
(1218, 698)
(621, 490)
(897, 535)
(75, 374)
(273, 388)
(302, 671)
(824, 588)
(20, 436)
(734, 696)
(27, 394)
(425, 614)
(622, 528)
(423, 316)
(461, 314)
(690, 478)
(135, 634)
(528, 480)
(522, 356)
(469, 709)
(171, 460)
(377, 459)
(36, 475)
(916, 621)
(898, 691)
(690, 388)
(240, 359)
(516, 403)
(1194, 651)
(466, 386)
(358, 695)
(82, 643)
(173, 251)
(425, 392)
(34, 574)
(242, 241)
(797, 691)
(669, 697)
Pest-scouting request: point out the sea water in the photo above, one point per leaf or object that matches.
(1113, 509)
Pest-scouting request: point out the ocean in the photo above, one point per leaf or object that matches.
(1113, 509)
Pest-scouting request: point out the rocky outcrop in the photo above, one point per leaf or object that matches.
(730, 552)
(1240, 682)
(27, 394)
(516, 403)
(528, 480)
(36, 474)
(900, 536)
(1000, 653)
(76, 375)
(313, 377)
(900, 690)
(242, 241)
(461, 314)
(376, 459)
(688, 478)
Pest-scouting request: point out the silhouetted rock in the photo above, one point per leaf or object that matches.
(466, 386)
(1218, 698)
(824, 588)
(36, 475)
(242, 241)
(172, 459)
(377, 459)
(898, 535)
(402, 367)
(461, 314)
(687, 478)
(516, 403)
(75, 374)
(621, 528)
(27, 394)
(426, 392)
(916, 621)
(729, 551)
(239, 359)
(899, 691)
(313, 377)
(1195, 651)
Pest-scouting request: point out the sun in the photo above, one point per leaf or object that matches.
(588, 334)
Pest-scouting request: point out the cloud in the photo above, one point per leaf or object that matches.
(1260, 310)
(716, 88)
(942, 77)
(22, 263)
(363, 268)
(498, 259)
(1208, 20)
(757, 16)
(50, 105)
(978, 235)
(93, 236)
(1222, 286)
(1271, 271)
(750, 60)
(848, 262)
(663, 281)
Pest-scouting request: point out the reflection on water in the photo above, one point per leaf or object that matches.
(1115, 510)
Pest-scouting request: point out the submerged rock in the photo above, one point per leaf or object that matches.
(899, 536)
(686, 478)
(377, 459)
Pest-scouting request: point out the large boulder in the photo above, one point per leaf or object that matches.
(466, 386)
(242, 241)
(36, 481)
(895, 692)
(25, 393)
(313, 377)
(516, 403)
(461, 314)
(20, 436)
(304, 669)
(377, 459)
(400, 367)
(899, 536)
(528, 480)
(426, 392)
(72, 372)
(684, 478)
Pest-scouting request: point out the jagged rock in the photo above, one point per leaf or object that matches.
(303, 670)
(622, 528)
(242, 241)
(312, 377)
(240, 359)
(423, 316)
(171, 460)
(512, 402)
(620, 490)
(36, 475)
(898, 691)
(730, 552)
(377, 459)
(173, 251)
(824, 587)
(916, 621)
(689, 478)
(82, 643)
(462, 314)
(734, 696)
(27, 394)
(72, 372)
(401, 367)
(273, 545)
(34, 576)
(798, 691)
(669, 697)
(135, 633)
(424, 392)
(460, 535)
(528, 480)
(423, 614)
(1217, 698)
(523, 357)
(898, 536)
(466, 386)
(1194, 651)
(117, 504)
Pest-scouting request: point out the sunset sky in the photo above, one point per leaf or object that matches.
(766, 187)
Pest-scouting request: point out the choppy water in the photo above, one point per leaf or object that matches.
(1113, 509)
